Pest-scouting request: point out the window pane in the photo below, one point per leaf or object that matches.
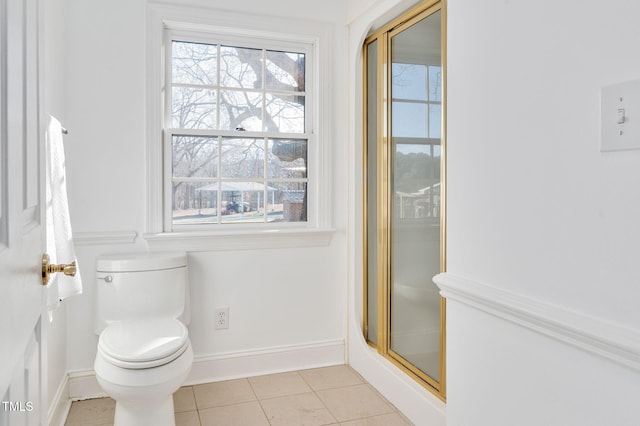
(435, 113)
(435, 84)
(284, 113)
(227, 88)
(409, 81)
(242, 158)
(409, 119)
(194, 202)
(285, 71)
(240, 67)
(287, 202)
(193, 108)
(195, 156)
(416, 169)
(194, 63)
(240, 110)
(287, 158)
(243, 202)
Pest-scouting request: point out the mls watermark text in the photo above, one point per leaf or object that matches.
(20, 406)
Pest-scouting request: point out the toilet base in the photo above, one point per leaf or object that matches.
(157, 413)
(145, 396)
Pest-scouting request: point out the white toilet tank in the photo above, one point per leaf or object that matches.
(141, 285)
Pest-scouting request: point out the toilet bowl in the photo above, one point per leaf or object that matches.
(144, 354)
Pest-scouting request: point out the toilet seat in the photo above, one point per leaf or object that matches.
(147, 343)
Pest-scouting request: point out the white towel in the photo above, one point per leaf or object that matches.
(59, 237)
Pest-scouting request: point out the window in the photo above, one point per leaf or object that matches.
(239, 121)
(237, 132)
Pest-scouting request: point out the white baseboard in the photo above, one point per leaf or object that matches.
(234, 365)
(84, 385)
(594, 335)
(60, 405)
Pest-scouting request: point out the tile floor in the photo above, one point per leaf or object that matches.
(322, 396)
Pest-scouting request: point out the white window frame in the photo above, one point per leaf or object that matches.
(208, 25)
(172, 35)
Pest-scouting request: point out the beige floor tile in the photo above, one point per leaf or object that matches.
(184, 400)
(278, 385)
(187, 418)
(354, 402)
(91, 412)
(223, 393)
(285, 400)
(245, 414)
(393, 419)
(377, 392)
(297, 410)
(331, 377)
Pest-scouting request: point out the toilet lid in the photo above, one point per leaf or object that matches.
(143, 343)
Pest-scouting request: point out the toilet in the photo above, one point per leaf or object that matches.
(144, 354)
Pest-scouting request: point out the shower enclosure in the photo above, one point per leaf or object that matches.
(404, 196)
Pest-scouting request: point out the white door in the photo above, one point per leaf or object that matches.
(21, 214)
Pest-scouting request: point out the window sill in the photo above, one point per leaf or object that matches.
(243, 240)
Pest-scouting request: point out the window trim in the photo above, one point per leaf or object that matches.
(225, 26)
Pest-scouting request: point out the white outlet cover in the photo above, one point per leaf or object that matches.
(616, 136)
(224, 312)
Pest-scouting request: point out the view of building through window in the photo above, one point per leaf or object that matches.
(416, 127)
(236, 125)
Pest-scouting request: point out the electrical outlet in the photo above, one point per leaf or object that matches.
(222, 317)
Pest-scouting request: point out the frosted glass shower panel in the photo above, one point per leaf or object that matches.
(415, 191)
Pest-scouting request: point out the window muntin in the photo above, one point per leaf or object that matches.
(417, 95)
(238, 133)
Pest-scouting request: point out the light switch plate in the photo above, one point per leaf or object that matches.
(616, 101)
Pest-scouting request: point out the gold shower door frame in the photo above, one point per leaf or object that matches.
(384, 173)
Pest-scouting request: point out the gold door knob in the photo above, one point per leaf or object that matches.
(48, 269)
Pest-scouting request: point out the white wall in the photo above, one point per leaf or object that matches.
(538, 213)
(309, 10)
(501, 373)
(278, 298)
(105, 70)
(528, 184)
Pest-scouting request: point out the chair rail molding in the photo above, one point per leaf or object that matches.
(597, 336)
(104, 237)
